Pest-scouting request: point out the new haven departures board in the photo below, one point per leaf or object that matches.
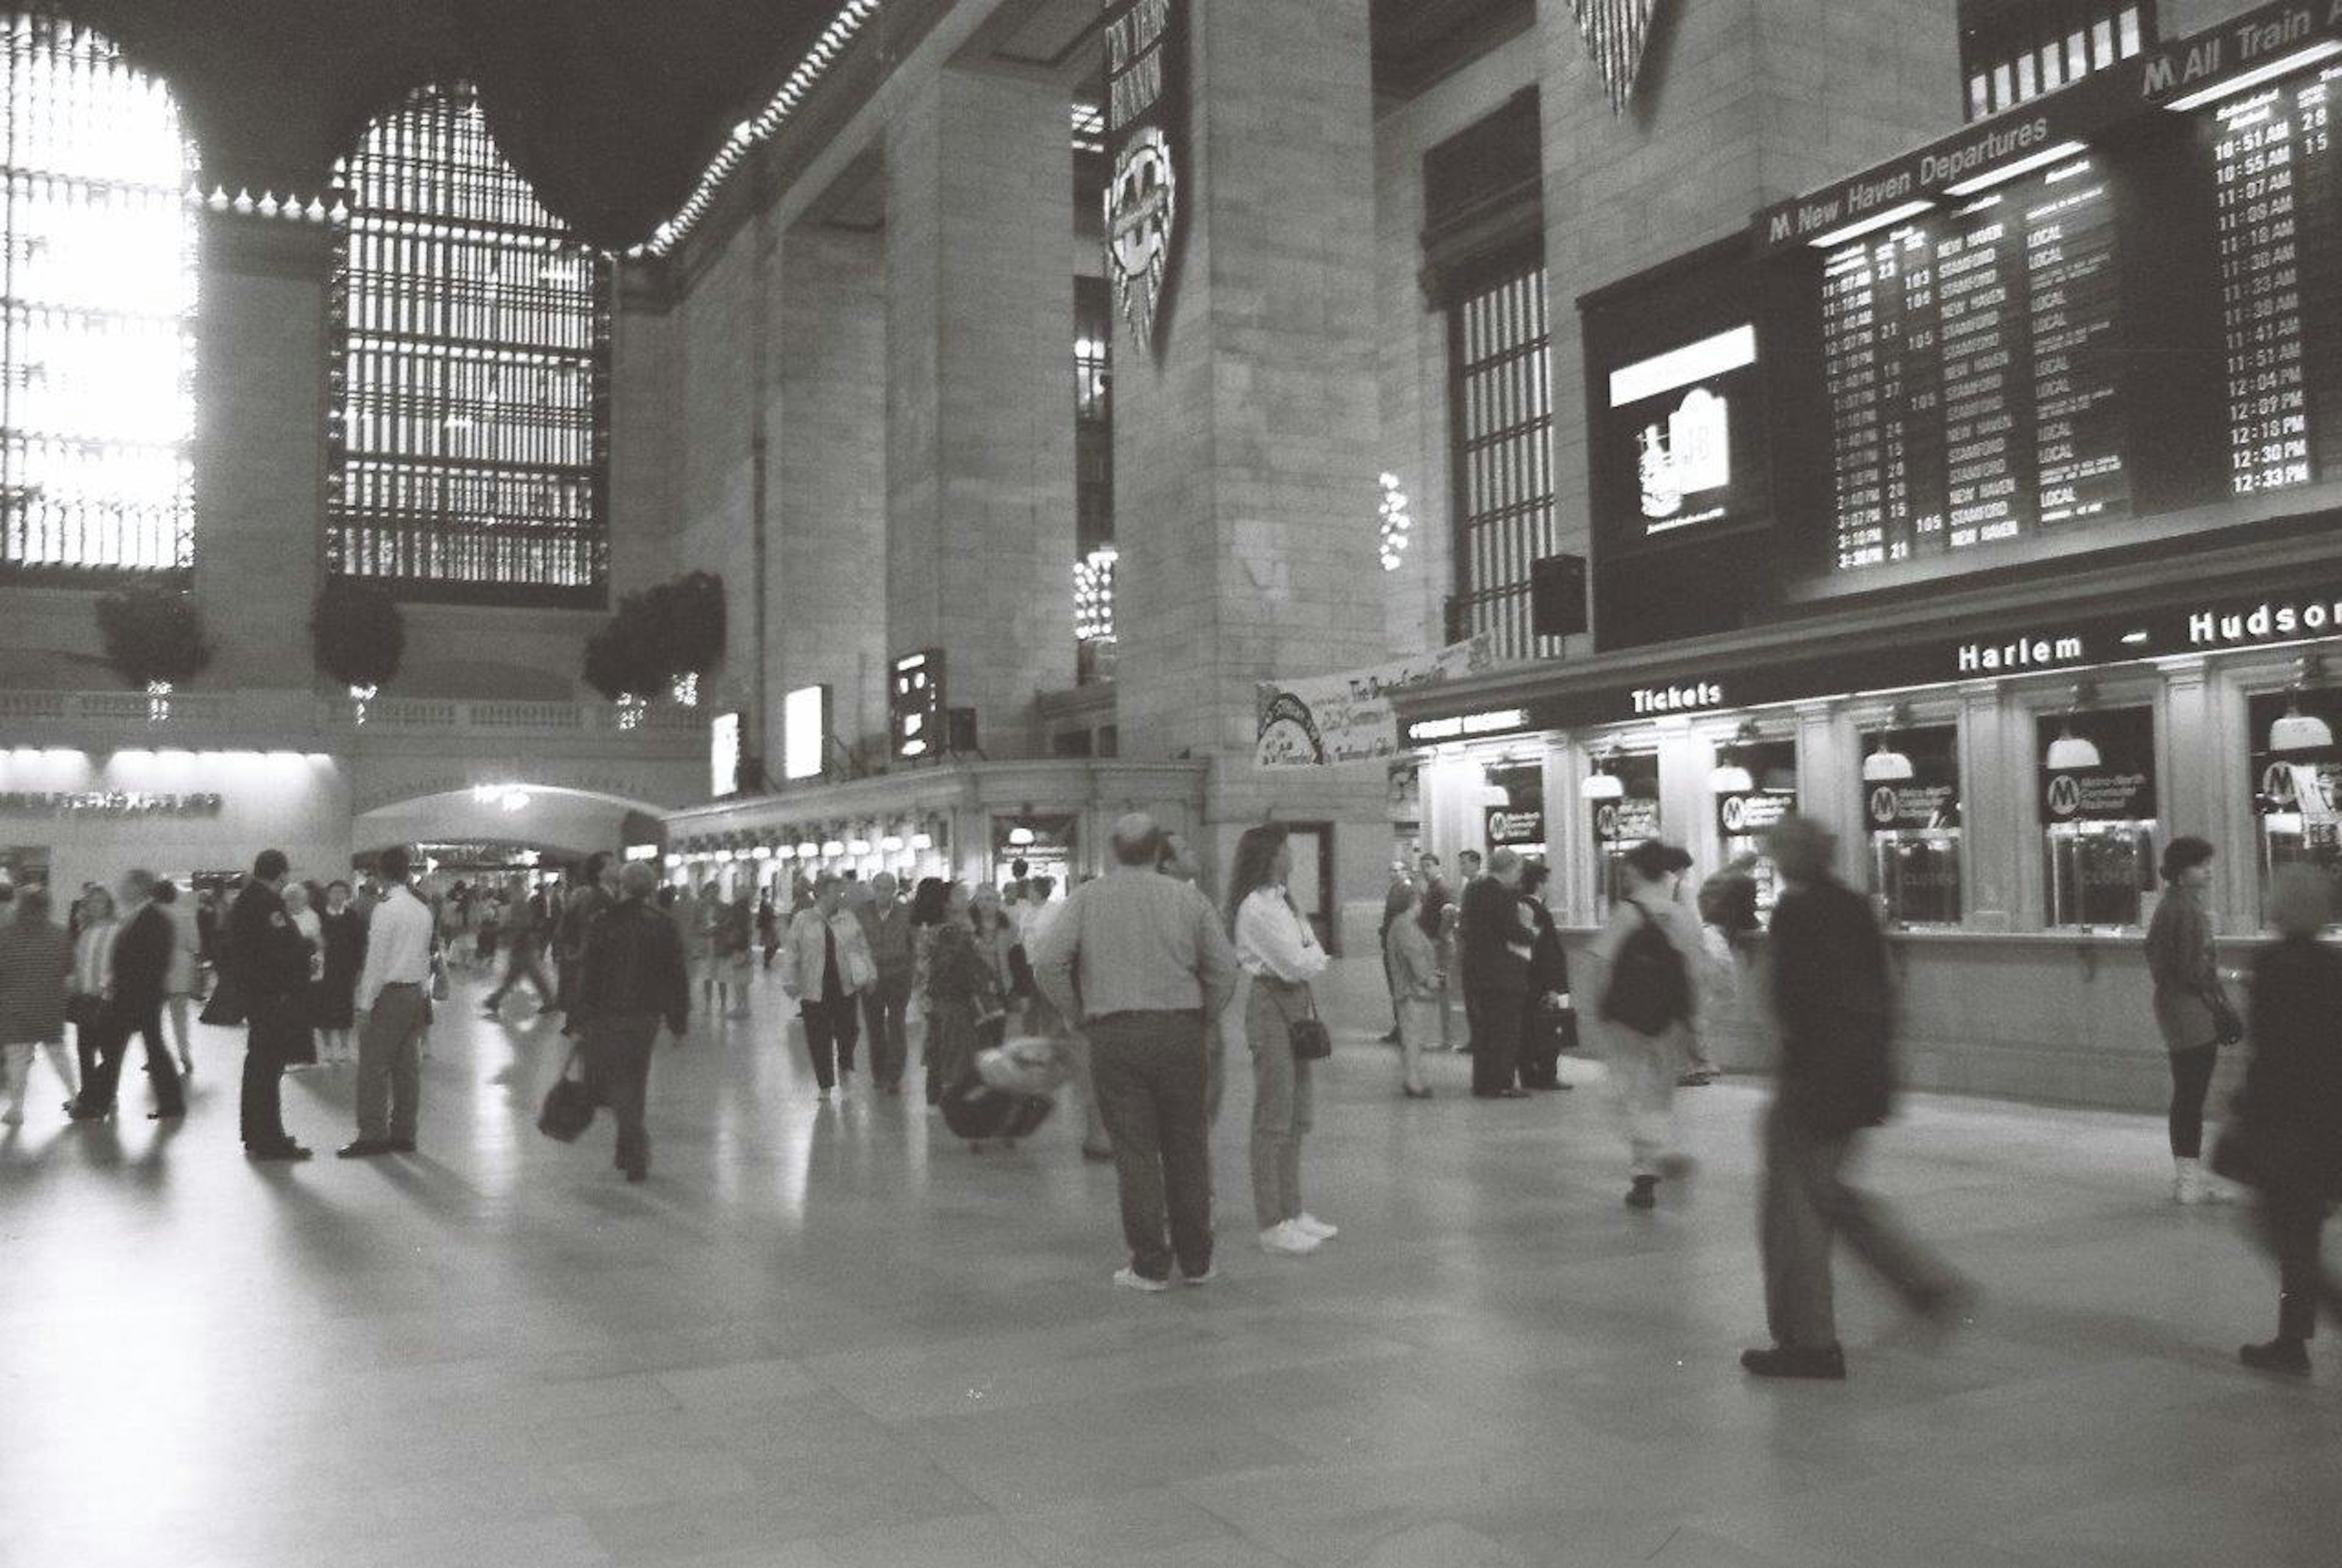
(2109, 316)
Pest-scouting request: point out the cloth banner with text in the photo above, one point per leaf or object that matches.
(1350, 717)
(1147, 193)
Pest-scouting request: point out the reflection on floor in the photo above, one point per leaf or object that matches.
(827, 1335)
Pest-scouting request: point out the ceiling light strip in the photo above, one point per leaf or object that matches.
(827, 51)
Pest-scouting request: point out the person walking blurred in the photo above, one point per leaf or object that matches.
(522, 934)
(91, 931)
(1279, 956)
(966, 1010)
(268, 963)
(1834, 996)
(34, 961)
(2289, 1113)
(1136, 961)
(137, 971)
(184, 978)
(2192, 1010)
(634, 977)
(1644, 960)
(393, 1007)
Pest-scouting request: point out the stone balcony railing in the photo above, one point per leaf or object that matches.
(304, 722)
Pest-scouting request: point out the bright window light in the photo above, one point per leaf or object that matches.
(94, 441)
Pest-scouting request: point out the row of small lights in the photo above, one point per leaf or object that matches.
(832, 849)
(1094, 595)
(267, 204)
(826, 52)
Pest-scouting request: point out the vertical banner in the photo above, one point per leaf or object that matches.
(1146, 109)
(1617, 32)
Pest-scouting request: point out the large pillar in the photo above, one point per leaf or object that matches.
(1246, 457)
(260, 446)
(827, 622)
(979, 401)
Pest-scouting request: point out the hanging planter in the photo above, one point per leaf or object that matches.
(154, 640)
(685, 620)
(622, 662)
(358, 637)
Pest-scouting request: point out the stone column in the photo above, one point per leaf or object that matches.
(260, 446)
(827, 624)
(979, 391)
(1245, 456)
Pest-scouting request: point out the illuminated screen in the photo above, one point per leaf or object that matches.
(804, 730)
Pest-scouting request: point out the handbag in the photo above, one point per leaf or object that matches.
(568, 1108)
(2228, 1028)
(1310, 1039)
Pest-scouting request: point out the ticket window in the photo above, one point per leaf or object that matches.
(1623, 814)
(2098, 803)
(1743, 817)
(1911, 793)
(2298, 781)
(1046, 844)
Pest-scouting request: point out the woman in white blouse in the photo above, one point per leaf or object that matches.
(1280, 957)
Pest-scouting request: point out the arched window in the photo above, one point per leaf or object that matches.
(97, 335)
(470, 407)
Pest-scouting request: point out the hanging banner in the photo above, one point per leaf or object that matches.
(1617, 32)
(1349, 717)
(1147, 111)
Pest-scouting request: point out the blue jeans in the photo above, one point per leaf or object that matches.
(1149, 1070)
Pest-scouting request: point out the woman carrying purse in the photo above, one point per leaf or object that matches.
(1280, 957)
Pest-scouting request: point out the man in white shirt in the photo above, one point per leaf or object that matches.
(394, 1005)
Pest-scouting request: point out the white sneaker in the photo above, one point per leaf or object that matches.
(1311, 1225)
(1131, 1279)
(1287, 1241)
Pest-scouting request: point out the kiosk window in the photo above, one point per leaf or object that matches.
(2298, 780)
(2098, 800)
(1911, 793)
(1624, 822)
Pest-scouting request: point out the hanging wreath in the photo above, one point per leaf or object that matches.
(153, 638)
(357, 635)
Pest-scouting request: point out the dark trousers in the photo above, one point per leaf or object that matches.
(617, 1052)
(1495, 1039)
(2291, 1227)
(1149, 1068)
(1806, 1206)
(2191, 1081)
(830, 1029)
(261, 1112)
(1540, 1051)
(522, 963)
(883, 1007)
(111, 1037)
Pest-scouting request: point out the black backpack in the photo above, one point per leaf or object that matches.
(1649, 988)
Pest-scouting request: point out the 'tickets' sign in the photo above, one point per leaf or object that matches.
(2119, 786)
(1146, 91)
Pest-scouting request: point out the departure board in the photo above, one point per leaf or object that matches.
(2274, 187)
(1973, 374)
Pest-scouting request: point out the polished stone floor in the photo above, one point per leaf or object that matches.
(830, 1335)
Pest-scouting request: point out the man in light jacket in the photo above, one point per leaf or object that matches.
(829, 966)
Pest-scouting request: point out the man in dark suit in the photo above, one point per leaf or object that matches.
(1497, 944)
(140, 967)
(1833, 999)
(270, 964)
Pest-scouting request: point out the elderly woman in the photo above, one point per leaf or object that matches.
(2192, 1010)
(35, 959)
(2290, 1116)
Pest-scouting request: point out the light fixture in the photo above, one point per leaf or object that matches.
(1602, 784)
(1854, 231)
(723, 857)
(784, 852)
(1887, 765)
(809, 850)
(762, 852)
(2253, 79)
(2024, 166)
(1020, 837)
(2298, 731)
(1397, 523)
(673, 860)
(1730, 775)
(857, 846)
(892, 844)
(2070, 753)
(923, 841)
(832, 849)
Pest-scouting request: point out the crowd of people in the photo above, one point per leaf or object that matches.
(1136, 988)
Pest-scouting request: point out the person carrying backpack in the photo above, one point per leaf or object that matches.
(1645, 959)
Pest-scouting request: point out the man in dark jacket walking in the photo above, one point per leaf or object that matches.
(1835, 1003)
(268, 960)
(133, 1005)
(630, 975)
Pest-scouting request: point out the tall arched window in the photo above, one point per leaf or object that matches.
(97, 300)
(470, 407)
